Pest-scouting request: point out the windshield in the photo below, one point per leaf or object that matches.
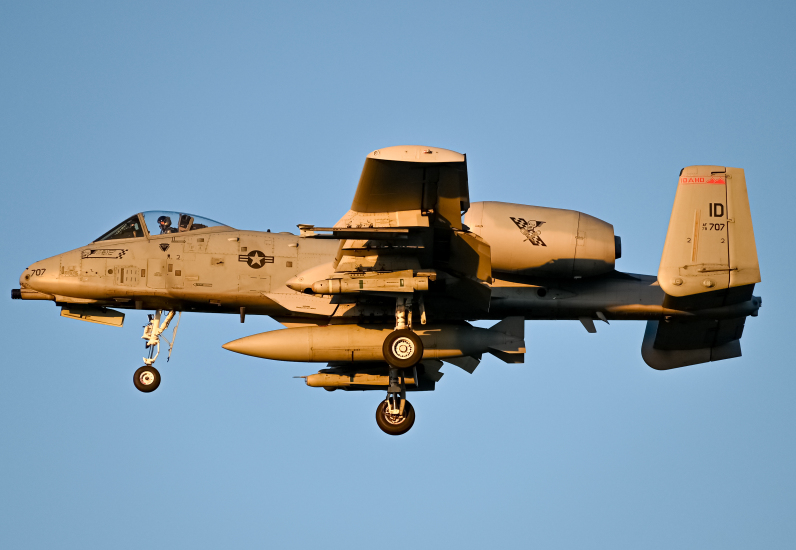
(128, 229)
(159, 222)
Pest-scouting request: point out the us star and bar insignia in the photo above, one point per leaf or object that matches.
(256, 259)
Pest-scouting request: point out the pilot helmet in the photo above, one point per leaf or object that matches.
(164, 222)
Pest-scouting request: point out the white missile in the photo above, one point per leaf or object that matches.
(364, 342)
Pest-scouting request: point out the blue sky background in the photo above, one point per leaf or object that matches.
(260, 115)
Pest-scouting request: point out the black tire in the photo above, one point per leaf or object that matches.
(402, 349)
(393, 424)
(146, 379)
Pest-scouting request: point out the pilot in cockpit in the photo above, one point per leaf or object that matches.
(165, 225)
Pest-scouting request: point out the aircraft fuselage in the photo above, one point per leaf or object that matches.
(224, 270)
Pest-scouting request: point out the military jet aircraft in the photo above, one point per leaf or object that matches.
(384, 296)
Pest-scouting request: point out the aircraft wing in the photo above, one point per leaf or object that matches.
(407, 216)
(406, 185)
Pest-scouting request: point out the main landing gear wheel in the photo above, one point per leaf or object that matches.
(402, 348)
(146, 379)
(394, 424)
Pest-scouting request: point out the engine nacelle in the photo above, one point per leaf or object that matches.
(545, 242)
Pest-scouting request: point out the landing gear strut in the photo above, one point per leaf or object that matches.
(402, 349)
(395, 415)
(147, 378)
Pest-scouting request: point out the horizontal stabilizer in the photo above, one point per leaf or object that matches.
(669, 345)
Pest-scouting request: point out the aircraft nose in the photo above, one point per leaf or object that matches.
(40, 276)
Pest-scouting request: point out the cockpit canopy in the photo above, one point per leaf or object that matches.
(158, 222)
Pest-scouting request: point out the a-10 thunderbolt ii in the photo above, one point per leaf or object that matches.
(384, 296)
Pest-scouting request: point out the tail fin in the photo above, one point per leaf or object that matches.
(708, 268)
(512, 349)
(710, 245)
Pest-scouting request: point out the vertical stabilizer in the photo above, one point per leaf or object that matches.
(710, 244)
(709, 268)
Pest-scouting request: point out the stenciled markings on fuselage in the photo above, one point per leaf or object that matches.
(115, 253)
(256, 259)
(530, 228)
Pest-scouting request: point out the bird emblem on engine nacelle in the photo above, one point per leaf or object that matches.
(530, 228)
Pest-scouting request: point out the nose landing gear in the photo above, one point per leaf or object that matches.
(147, 378)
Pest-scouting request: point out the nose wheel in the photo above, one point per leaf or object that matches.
(146, 379)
